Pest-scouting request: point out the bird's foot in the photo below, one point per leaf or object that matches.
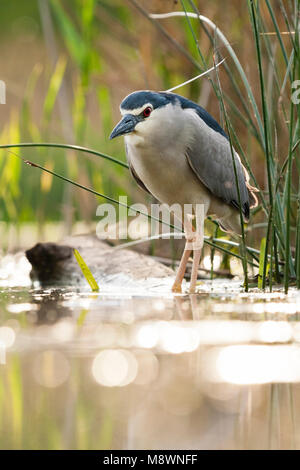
(176, 288)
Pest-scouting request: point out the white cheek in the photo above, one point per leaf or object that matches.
(135, 139)
(161, 127)
(143, 133)
(146, 127)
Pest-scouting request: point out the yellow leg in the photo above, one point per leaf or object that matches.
(194, 242)
(188, 230)
(181, 270)
(198, 239)
(196, 262)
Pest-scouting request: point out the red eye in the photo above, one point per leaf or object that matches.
(147, 111)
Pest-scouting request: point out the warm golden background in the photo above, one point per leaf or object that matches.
(67, 65)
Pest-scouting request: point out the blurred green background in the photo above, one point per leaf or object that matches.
(68, 64)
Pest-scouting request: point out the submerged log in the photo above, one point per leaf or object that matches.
(55, 264)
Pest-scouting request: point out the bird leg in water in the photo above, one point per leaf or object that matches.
(182, 268)
(194, 242)
(198, 240)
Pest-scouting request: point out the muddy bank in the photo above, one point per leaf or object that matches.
(54, 264)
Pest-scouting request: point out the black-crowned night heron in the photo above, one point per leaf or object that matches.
(178, 152)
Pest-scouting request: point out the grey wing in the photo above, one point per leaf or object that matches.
(209, 155)
(134, 174)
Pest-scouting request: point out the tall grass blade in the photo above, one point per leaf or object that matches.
(233, 55)
(86, 271)
(120, 203)
(243, 244)
(266, 133)
(261, 263)
(66, 146)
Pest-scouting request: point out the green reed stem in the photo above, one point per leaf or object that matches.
(266, 132)
(114, 201)
(243, 244)
(66, 146)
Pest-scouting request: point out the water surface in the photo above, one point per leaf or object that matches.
(134, 367)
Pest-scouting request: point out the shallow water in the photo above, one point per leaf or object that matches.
(135, 367)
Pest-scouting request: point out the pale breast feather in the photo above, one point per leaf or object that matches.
(134, 173)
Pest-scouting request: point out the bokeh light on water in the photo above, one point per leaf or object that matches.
(114, 368)
(50, 368)
(7, 336)
(252, 364)
(219, 370)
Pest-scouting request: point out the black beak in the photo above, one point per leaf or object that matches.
(125, 126)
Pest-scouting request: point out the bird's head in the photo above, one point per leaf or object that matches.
(145, 114)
